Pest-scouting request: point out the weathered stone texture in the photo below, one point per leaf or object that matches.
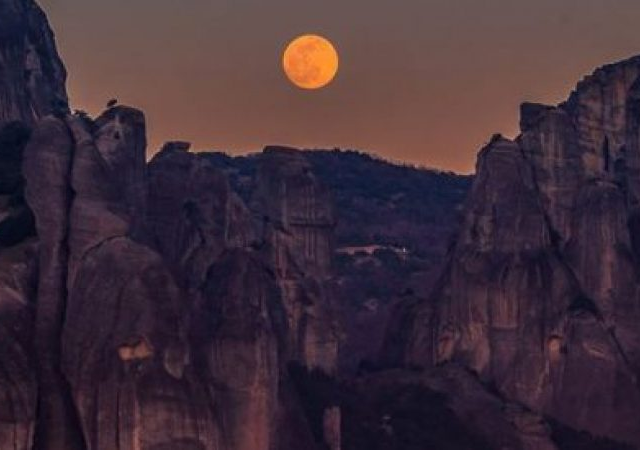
(295, 218)
(540, 294)
(32, 84)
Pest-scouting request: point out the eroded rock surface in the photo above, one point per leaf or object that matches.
(160, 320)
(296, 221)
(32, 84)
(18, 386)
(146, 306)
(540, 294)
(244, 322)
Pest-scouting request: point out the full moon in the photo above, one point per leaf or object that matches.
(310, 62)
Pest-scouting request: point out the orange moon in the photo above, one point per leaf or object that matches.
(310, 61)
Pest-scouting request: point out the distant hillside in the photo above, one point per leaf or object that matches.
(394, 225)
(378, 202)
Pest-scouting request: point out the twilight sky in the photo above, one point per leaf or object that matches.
(423, 81)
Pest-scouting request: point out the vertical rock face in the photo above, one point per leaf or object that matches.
(540, 295)
(47, 165)
(110, 332)
(247, 305)
(33, 77)
(159, 322)
(292, 200)
(31, 85)
(244, 349)
(107, 179)
(193, 213)
(141, 307)
(237, 326)
(296, 221)
(18, 388)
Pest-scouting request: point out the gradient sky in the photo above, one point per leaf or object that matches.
(423, 81)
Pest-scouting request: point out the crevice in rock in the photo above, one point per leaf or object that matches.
(52, 382)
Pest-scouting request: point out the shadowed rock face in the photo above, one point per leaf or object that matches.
(16, 219)
(18, 387)
(31, 86)
(33, 77)
(193, 212)
(540, 294)
(443, 408)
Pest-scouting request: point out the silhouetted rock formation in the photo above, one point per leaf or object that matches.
(540, 296)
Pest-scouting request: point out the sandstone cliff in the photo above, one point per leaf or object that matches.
(540, 293)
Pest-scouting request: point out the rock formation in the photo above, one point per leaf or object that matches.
(33, 77)
(540, 293)
(18, 279)
(253, 312)
(444, 407)
(296, 222)
(161, 320)
(31, 85)
(148, 306)
(140, 306)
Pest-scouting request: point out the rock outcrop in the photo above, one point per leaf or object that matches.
(140, 306)
(296, 221)
(540, 293)
(18, 386)
(252, 312)
(148, 306)
(160, 316)
(32, 84)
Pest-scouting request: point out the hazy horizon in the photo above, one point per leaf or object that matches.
(425, 83)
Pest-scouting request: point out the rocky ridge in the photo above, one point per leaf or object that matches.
(540, 293)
